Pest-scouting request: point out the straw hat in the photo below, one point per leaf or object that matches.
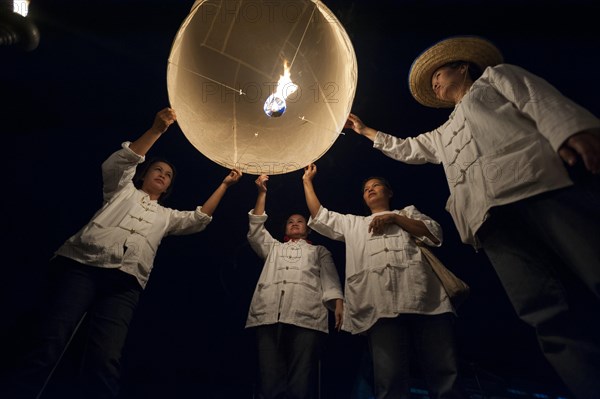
(458, 48)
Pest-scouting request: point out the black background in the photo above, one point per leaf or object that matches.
(99, 76)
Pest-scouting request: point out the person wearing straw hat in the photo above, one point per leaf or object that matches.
(510, 149)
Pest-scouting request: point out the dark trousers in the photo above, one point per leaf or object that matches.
(109, 297)
(432, 337)
(546, 252)
(288, 359)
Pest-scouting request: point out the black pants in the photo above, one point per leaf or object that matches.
(432, 337)
(288, 358)
(546, 252)
(109, 297)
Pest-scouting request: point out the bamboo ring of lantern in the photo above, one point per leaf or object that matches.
(263, 86)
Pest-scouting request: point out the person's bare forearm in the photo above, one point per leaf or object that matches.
(312, 201)
(415, 227)
(259, 207)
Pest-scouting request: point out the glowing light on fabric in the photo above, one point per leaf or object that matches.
(264, 86)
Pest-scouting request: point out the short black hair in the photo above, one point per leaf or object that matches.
(289, 214)
(143, 169)
(383, 181)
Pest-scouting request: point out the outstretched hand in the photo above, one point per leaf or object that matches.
(261, 183)
(310, 172)
(585, 145)
(355, 123)
(233, 177)
(163, 119)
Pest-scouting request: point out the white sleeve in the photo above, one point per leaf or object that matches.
(187, 222)
(330, 280)
(434, 227)
(118, 170)
(330, 224)
(259, 238)
(556, 116)
(412, 150)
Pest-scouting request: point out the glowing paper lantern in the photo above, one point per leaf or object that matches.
(265, 86)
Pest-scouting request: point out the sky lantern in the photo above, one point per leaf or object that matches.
(263, 86)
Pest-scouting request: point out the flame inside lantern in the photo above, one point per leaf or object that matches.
(275, 104)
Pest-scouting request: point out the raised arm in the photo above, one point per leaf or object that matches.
(163, 119)
(312, 202)
(414, 150)
(213, 201)
(261, 197)
(353, 122)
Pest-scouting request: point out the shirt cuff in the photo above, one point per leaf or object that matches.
(130, 154)
(379, 139)
(257, 218)
(311, 221)
(202, 214)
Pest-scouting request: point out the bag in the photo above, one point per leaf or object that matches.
(456, 289)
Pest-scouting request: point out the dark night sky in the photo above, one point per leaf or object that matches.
(99, 76)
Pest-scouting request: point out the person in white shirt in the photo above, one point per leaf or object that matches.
(101, 270)
(510, 150)
(391, 293)
(289, 310)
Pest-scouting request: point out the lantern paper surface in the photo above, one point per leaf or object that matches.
(263, 86)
